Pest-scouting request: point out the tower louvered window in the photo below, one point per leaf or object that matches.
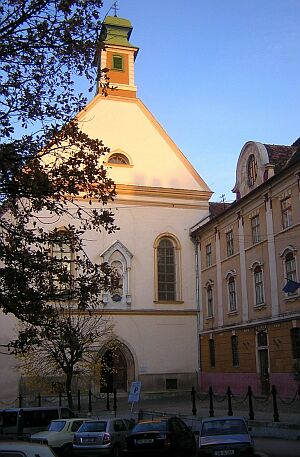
(117, 63)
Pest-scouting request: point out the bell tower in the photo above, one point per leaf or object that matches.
(118, 55)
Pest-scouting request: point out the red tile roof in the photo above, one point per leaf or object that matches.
(279, 155)
(217, 208)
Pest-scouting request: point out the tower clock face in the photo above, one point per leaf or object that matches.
(251, 170)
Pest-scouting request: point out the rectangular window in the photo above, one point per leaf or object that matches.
(290, 270)
(235, 351)
(232, 294)
(295, 335)
(63, 252)
(63, 255)
(117, 63)
(208, 255)
(286, 212)
(212, 354)
(171, 384)
(255, 229)
(259, 286)
(229, 243)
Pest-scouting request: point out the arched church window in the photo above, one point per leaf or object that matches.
(167, 269)
(118, 159)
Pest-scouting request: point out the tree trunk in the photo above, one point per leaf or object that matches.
(68, 385)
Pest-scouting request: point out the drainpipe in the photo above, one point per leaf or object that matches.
(196, 245)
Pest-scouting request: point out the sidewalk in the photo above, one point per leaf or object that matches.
(151, 405)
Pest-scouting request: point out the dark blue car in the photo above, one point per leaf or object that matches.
(225, 436)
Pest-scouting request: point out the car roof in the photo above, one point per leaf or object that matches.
(97, 420)
(34, 408)
(154, 419)
(70, 419)
(21, 445)
(220, 418)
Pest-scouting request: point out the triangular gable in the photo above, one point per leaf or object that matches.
(127, 125)
(116, 246)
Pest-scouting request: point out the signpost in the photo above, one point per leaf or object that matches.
(134, 394)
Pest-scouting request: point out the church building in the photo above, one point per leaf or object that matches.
(159, 197)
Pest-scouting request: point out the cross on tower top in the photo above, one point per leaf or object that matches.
(115, 8)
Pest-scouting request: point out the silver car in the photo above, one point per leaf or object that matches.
(24, 449)
(101, 437)
(59, 435)
(225, 436)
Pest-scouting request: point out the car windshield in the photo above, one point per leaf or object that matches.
(151, 426)
(224, 427)
(56, 426)
(99, 426)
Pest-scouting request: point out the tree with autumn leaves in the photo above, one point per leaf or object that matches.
(46, 162)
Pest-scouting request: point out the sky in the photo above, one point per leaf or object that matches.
(216, 74)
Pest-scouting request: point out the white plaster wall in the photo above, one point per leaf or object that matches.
(127, 125)
(160, 344)
(8, 373)
(139, 227)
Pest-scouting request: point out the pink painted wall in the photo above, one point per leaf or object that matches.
(239, 382)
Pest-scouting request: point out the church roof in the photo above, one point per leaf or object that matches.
(116, 31)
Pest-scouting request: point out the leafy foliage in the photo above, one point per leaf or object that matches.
(50, 171)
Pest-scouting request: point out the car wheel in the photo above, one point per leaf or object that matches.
(116, 452)
(66, 450)
(194, 451)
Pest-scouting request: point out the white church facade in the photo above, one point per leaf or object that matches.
(159, 197)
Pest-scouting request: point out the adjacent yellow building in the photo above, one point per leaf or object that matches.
(247, 252)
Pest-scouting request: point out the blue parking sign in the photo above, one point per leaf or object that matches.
(135, 390)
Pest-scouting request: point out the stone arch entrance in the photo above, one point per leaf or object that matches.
(117, 368)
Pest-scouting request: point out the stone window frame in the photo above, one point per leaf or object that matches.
(288, 251)
(231, 293)
(258, 286)
(117, 252)
(209, 299)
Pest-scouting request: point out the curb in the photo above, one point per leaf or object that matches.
(287, 431)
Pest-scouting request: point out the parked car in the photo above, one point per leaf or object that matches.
(26, 421)
(59, 435)
(101, 437)
(24, 449)
(223, 436)
(168, 436)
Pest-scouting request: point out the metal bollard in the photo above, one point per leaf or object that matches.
(229, 396)
(211, 402)
(275, 408)
(251, 411)
(194, 409)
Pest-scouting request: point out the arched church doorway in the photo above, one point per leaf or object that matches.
(117, 369)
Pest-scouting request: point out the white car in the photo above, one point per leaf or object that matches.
(59, 434)
(24, 449)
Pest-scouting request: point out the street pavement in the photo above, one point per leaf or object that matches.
(151, 405)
